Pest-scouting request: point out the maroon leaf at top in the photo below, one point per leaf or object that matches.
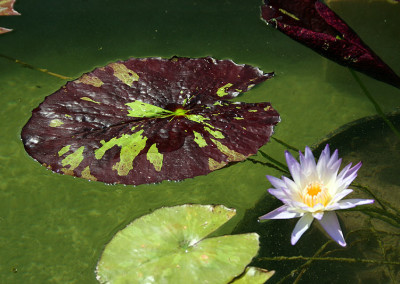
(148, 120)
(313, 24)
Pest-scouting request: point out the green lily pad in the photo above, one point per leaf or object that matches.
(170, 246)
(254, 275)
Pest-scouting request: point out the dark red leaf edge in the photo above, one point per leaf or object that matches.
(313, 24)
(150, 119)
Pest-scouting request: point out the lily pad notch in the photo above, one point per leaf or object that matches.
(145, 120)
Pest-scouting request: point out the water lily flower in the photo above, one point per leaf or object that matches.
(316, 191)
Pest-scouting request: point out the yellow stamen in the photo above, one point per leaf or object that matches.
(315, 193)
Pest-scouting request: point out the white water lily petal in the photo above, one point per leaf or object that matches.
(309, 167)
(294, 167)
(352, 174)
(330, 175)
(301, 226)
(318, 215)
(333, 159)
(276, 182)
(343, 172)
(340, 195)
(323, 158)
(291, 186)
(350, 203)
(280, 194)
(280, 213)
(331, 225)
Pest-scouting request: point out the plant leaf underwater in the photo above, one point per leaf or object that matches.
(150, 119)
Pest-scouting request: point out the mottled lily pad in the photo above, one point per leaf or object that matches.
(7, 9)
(313, 24)
(148, 120)
(170, 245)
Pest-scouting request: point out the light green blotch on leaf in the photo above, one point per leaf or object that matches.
(253, 110)
(238, 118)
(131, 145)
(56, 123)
(231, 154)
(141, 109)
(155, 157)
(199, 139)
(217, 134)
(221, 92)
(89, 100)
(214, 165)
(198, 118)
(126, 75)
(64, 150)
(67, 115)
(74, 159)
(218, 103)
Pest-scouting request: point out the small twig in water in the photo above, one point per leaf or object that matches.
(372, 100)
(35, 68)
(285, 144)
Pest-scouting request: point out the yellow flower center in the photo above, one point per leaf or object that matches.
(315, 193)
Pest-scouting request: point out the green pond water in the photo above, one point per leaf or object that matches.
(53, 228)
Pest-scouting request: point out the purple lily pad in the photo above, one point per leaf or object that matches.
(313, 24)
(151, 119)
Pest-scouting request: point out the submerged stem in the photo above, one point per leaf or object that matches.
(285, 144)
(35, 68)
(340, 259)
(376, 105)
(276, 162)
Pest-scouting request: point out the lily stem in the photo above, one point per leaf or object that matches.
(35, 68)
(340, 259)
(285, 144)
(372, 100)
(274, 161)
